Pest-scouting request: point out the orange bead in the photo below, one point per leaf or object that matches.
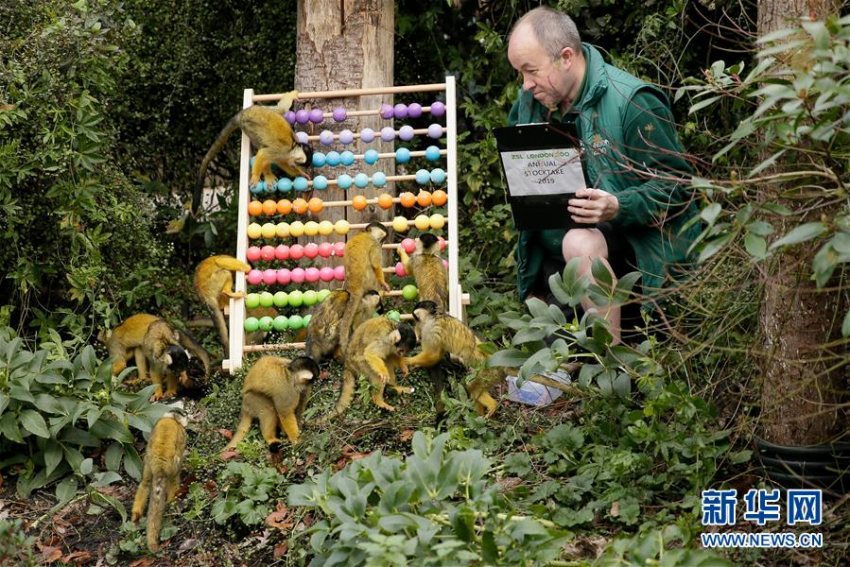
(359, 202)
(439, 198)
(424, 198)
(269, 207)
(284, 207)
(255, 208)
(407, 199)
(316, 205)
(385, 201)
(299, 205)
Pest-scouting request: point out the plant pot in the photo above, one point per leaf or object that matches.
(807, 466)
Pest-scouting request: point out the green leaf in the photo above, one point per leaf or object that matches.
(802, 233)
(537, 307)
(710, 213)
(510, 358)
(703, 103)
(34, 423)
(65, 491)
(756, 246)
(52, 456)
(845, 326)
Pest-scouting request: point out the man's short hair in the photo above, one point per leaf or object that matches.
(554, 30)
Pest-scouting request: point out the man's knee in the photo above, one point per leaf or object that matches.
(584, 243)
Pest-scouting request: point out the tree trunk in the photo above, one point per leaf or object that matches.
(802, 379)
(348, 44)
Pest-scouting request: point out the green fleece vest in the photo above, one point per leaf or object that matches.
(599, 116)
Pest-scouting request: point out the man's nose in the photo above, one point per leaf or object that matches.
(527, 83)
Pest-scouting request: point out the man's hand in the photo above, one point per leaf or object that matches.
(592, 206)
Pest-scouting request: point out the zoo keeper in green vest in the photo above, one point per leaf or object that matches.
(637, 197)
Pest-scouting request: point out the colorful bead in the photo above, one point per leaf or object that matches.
(387, 134)
(438, 108)
(346, 158)
(435, 131)
(344, 181)
(371, 156)
(367, 135)
(414, 110)
(386, 111)
(346, 137)
(432, 153)
(402, 155)
(340, 113)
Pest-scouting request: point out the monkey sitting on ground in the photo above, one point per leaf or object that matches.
(272, 138)
(154, 344)
(363, 272)
(323, 331)
(428, 270)
(214, 285)
(441, 334)
(275, 393)
(377, 348)
(161, 474)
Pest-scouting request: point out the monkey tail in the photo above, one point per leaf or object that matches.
(156, 508)
(345, 397)
(242, 430)
(231, 126)
(232, 264)
(345, 330)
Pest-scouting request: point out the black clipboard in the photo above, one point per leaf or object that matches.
(543, 170)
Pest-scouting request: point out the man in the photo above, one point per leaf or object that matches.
(637, 199)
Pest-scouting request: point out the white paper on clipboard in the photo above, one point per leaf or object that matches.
(543, 171)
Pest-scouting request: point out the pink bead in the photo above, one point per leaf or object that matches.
(326, 249)
(311, 250)
(442, 242)
(408, 245)
(296, 252)
(311, 274)
(267, 252)
(446, 264)
(339, 249)
(339, 273)
(253, 253)
(284, 276)
(281, 252)
(255, 277)
(399, 270)
(297, 275)
(326, 274)
(270, 276)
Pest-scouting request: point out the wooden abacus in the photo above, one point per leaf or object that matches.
(248, 230)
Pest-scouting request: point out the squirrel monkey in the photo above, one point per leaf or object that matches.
(428, 270)
(323, 330)
(154, 344)
(275, 392)
(272, 138)
(441, 334)
(377, 348)
(161, 474)
(214, 285)
(363, 272)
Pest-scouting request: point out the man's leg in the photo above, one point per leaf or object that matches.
(589, 244)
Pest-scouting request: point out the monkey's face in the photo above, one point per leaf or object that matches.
(302, 154)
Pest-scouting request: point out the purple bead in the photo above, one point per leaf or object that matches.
(414, 110)
(302, 138)
(289, 116)
(386, 111)
(405, 132)
(435, 131)
(400, 110)
(387, 134)
(346, 137)
(340, 113)
(317, 116)
(438, 108)
(326, 137)
(367, 135)
(302, 116)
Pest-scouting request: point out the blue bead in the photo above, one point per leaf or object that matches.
(320, 182)
(423, 177)
(371, 156)
(284, 184)
(332, 159)
(259, 188)
(344, 181)
(432, 153)
(346, 157)
(379, 179)
(402, 155)
(438, 176)
(300, 183)
(361, 180)
(318, 159)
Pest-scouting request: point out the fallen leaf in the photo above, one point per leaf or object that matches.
(615, 509)
(280, 518)
(142, 562)
(78, 557)
(226, 433)
(406, 435)
(280, 550)
(227, 455)
(49, 553)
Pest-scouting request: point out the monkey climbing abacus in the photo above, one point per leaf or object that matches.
(264, 238)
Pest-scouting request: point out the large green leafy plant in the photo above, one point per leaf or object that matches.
(64, 419)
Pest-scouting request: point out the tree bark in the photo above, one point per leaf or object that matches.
(802, 380)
